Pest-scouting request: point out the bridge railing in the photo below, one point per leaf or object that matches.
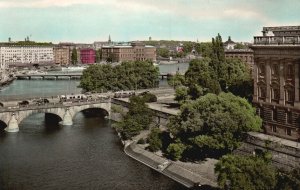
(54, 105)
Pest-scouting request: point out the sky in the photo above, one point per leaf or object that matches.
(86, 21)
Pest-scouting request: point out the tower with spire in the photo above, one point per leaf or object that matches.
(109, 40)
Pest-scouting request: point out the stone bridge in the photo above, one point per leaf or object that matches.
(13, 116)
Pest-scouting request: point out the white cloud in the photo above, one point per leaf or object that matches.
(190, 9)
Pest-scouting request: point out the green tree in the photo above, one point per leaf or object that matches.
(240, 46)
(155, 142)
(127, 76)
(138, 118)
(98, 56)
(201, 74)
(181, 94)
(175, 150)
(163, 52)
(218, 55)
(176, 80)
(214, 124)
(288, 180)
(74, 56)
(249, 173)
(188, 47)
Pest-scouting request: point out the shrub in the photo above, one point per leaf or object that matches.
(141, 141)
(175, 150)
(155, 142)
(148, 97)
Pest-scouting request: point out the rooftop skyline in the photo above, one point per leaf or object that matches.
(128, 20)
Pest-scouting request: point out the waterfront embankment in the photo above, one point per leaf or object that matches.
(7, 82)
(188, 174)
(174, 170)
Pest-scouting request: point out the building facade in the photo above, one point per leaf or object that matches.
(276, 80)
(246, 55)
(87, 56)
(62, 55)
(135, 51)
(26, 53)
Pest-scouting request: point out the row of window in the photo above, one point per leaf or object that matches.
(288, 131)
(289, 94)
(289, 70)
(288, 116)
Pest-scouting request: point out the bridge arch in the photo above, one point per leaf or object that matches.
(3, 125)
(102, 106)
(59, 112)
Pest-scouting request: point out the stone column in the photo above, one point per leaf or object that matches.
(67, 120)
(13, 125)
(281, 82)
(297, 103)
(255, 76)
(268, 80)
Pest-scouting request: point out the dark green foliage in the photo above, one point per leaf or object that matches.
(175, 150)
(176, 80)
(141, 141)
(249, 173)
(154, 139)
(240, 46)
(74, 60)
(216, 74)
(181, 94)
(288, 180)
(127, 76)
(204, 48)
(28, 43)
(163, 52)
(138, 118)
(98, 56)
(214, 123)
(149, 97)
(201, 74)
(218, 55)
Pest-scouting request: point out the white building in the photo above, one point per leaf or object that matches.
(26, 53)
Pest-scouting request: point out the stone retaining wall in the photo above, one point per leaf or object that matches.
(285, 153)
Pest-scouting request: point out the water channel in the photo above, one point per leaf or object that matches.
(86, 155)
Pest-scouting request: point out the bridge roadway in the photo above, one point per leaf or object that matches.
(56, 76)
(13, 112)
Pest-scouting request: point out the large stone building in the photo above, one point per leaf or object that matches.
(62, 55)
(246, 55)
(26, 53)
(276, 80)
(135, 51)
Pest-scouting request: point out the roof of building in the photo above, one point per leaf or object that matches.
(229, 41)
(281, 28)
(238, 51)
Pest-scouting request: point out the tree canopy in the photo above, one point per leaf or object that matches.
(214, 74)
(248, 173)
(214, 123)
(74, 56)
(138, 118)
(126, 76)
